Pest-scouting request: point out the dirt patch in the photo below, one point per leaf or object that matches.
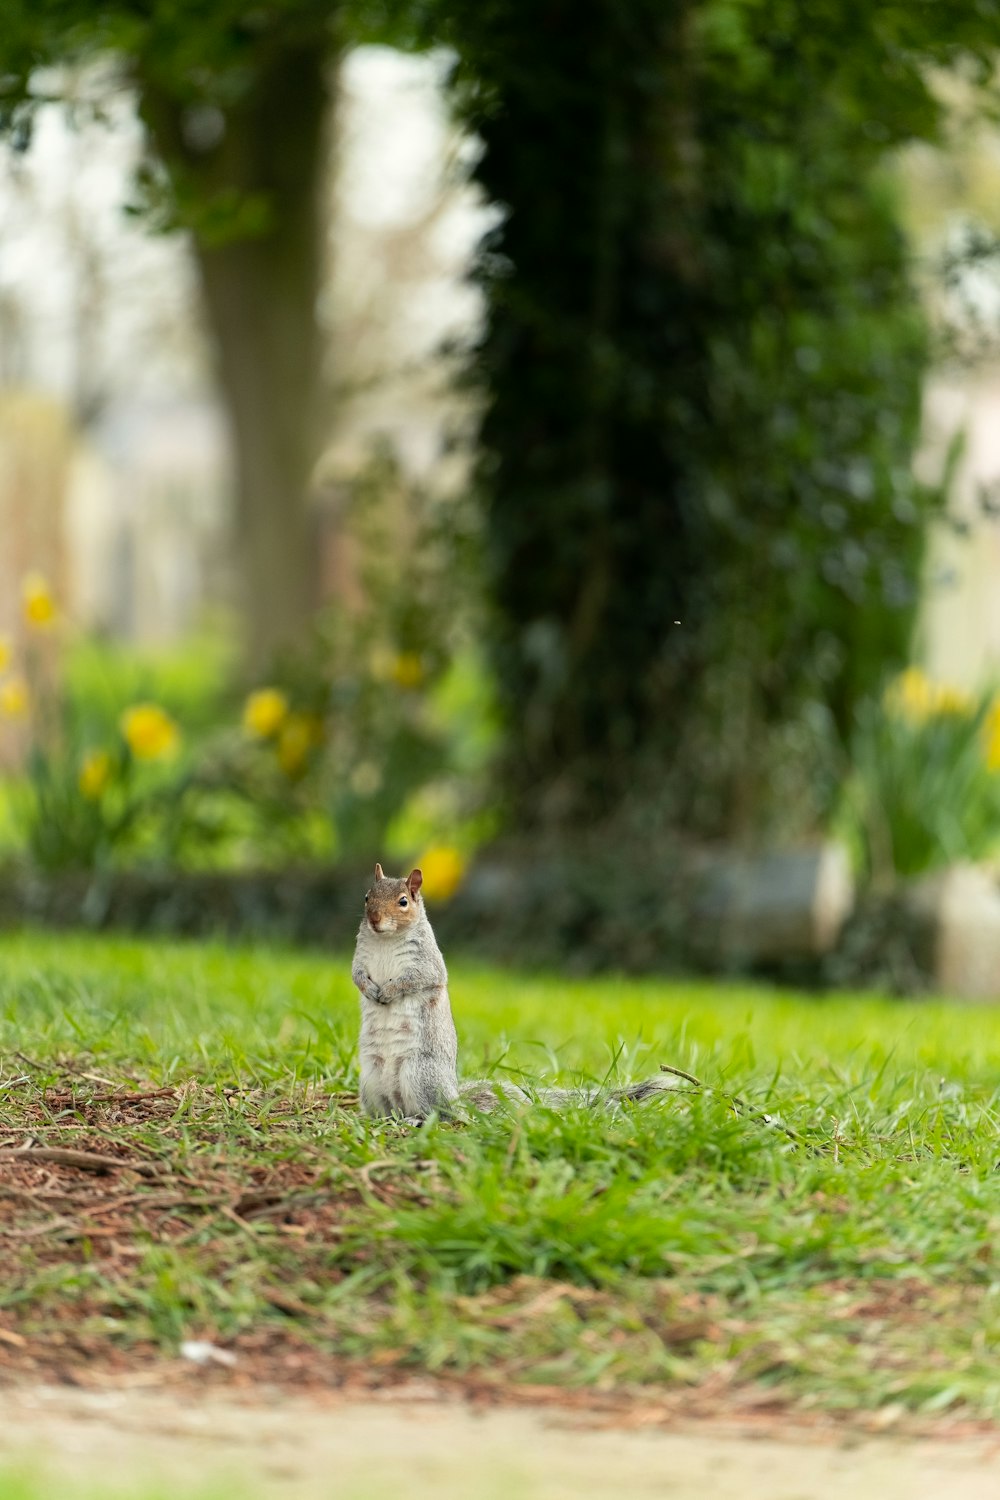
(291, 1449)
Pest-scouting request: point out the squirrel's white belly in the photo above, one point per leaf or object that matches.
(385, 961)
(391, 1038)
(394, 1022)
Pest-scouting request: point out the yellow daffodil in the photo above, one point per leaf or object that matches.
(913, 696)
(443, 869)
(404, 668)
(264, 712)
(297, 737)
(992, 728)
(149, 732)
(946, 699)
(37, 603)
(910, 695)
(95, 773)
(5, 653)
(408, 670)
(14, 699)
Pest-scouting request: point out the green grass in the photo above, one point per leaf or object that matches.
(849, 1261)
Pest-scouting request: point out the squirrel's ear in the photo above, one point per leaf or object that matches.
(378, 873)
(414, 880)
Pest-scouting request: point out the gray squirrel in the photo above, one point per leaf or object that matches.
(408, 1048)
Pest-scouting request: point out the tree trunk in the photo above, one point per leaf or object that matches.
(701, 369)
(252, 201)
(594, 545)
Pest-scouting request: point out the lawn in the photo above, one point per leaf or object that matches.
(840, 1253)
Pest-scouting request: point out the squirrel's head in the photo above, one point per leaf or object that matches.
(392, 905)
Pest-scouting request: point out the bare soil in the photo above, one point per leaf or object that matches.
(117, 1441)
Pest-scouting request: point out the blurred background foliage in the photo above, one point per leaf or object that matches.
(705, 406)
(375, 732)
(684, 548)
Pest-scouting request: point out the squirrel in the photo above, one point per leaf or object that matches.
(408, 1047)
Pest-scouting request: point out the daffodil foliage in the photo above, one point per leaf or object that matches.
(924, 785)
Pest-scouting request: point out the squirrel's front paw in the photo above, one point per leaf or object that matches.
(366, 984)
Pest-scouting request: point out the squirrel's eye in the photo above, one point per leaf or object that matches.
(403, 901)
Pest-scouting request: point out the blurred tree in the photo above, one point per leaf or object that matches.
(590, 363)
(235, 101)
(702, 373)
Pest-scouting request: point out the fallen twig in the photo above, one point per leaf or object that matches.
(38, 1231)
(22, 1195)
(87, 1161)
(680, 1073)
(119, 1096)
(287, 1302)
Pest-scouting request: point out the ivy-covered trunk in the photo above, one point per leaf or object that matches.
(594, 547)
(701, 371)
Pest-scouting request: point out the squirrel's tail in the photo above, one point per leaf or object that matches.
(660, 1083)
(603, 1098)
(486, 1094)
